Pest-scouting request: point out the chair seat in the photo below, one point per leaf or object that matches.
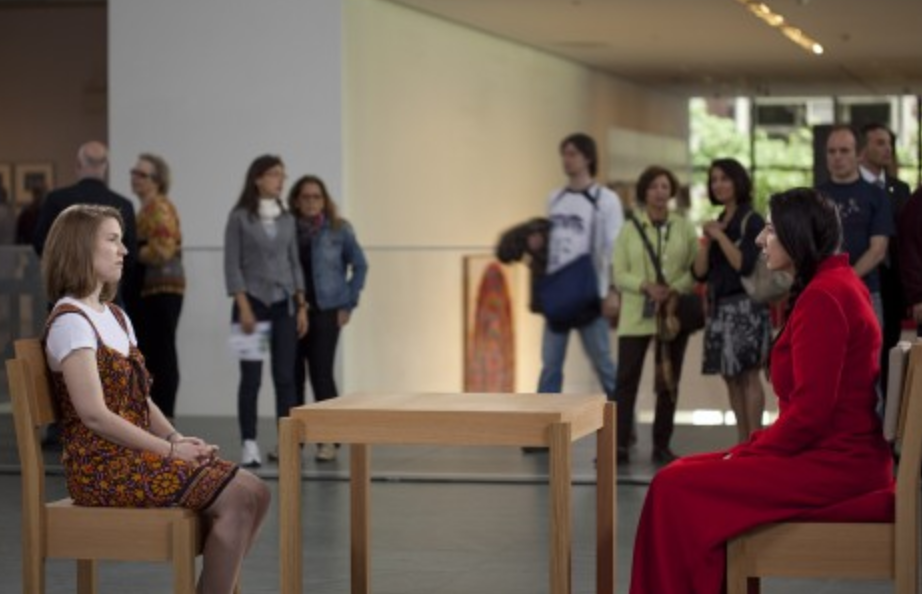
(876, 506)
(76, 531)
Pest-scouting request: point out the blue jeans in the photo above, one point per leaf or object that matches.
(594, 336)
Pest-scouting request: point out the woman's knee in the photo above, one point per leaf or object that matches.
(259, 494)
(245, 498)
(754, 381)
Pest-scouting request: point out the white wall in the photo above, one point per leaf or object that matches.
(451, 136)
(434, 138)
(210, 85)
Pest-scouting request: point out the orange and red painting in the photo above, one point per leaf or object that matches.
(489, 327)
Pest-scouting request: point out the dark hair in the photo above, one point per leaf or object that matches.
(586, 147)
(249, 196)
(873, 127)
(329, 207)
(647, 178)
(844, 128)
(742, 183)
(808, 227)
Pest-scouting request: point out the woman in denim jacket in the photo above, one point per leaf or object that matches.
(334, 269)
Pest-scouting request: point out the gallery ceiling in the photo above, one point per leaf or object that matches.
(716, 47)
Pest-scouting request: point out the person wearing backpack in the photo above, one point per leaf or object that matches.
(576, 293)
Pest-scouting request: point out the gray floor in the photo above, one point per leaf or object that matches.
(445, 521)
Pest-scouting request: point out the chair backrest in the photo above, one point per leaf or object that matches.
(44, 408)
(33, 408)
(898, 363)
(909, 442)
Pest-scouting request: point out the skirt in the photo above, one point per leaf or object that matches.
(737, 336)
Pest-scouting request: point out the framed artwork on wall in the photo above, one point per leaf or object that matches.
(489, 326)
(30, 176)
(6, 182)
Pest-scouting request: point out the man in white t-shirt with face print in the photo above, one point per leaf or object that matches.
(585, 218)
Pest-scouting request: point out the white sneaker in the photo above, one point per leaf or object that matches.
(249, 458)
(326, 452)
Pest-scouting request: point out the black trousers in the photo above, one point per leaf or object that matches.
(316, 355)
(632, 350)
(891, 294)
(158, 321)
(283, 346)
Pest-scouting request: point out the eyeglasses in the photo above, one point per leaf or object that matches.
(141, 174)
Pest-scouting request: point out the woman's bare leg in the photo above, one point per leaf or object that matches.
(233, 521)
(753, 399)
(737, 404)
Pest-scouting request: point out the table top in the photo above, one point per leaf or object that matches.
(449, 419)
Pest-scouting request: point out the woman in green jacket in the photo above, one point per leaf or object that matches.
(674, 243)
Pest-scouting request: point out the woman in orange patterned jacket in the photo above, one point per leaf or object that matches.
(163, 280)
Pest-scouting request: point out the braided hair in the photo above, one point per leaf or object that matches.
(809, 229)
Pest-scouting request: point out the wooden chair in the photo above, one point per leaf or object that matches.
(847, 550)
(60, 529)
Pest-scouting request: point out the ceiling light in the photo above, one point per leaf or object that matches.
(771, 18)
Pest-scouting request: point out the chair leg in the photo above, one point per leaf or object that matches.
(737, 580)
(184, 557)
(86, 576)
(33, 573)
(33, 563)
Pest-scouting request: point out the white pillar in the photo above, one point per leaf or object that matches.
(209, 85)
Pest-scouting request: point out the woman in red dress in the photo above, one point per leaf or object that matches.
(120, 450)
(826, 447)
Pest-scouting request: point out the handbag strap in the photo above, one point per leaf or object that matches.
(660, 277)
(743, 225)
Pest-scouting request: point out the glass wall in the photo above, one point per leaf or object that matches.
(774, 137)
(22, 303)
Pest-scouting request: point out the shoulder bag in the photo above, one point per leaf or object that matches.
(682, 312)
(569, 297)
(764, 285)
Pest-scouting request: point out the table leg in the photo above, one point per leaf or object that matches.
(560, 469)
(606, 503)
(290, 439)
(359, 511)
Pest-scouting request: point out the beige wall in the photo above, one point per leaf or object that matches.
(53, 63)
(451, 136)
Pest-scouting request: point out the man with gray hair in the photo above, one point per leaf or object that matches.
(92, 169)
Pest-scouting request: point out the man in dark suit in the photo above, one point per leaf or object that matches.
(910, 243)
(876, 145)
(91, 188)
(92, 167)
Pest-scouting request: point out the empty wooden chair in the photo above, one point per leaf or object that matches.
(62, 530)
(855, 549)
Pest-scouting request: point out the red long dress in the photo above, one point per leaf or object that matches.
(825, 448)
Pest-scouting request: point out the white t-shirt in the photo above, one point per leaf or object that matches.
(70, 332)
(572, 215)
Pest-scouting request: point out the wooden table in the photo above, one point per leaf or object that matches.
(552, 420)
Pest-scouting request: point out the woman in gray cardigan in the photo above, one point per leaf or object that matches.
(263, 275)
